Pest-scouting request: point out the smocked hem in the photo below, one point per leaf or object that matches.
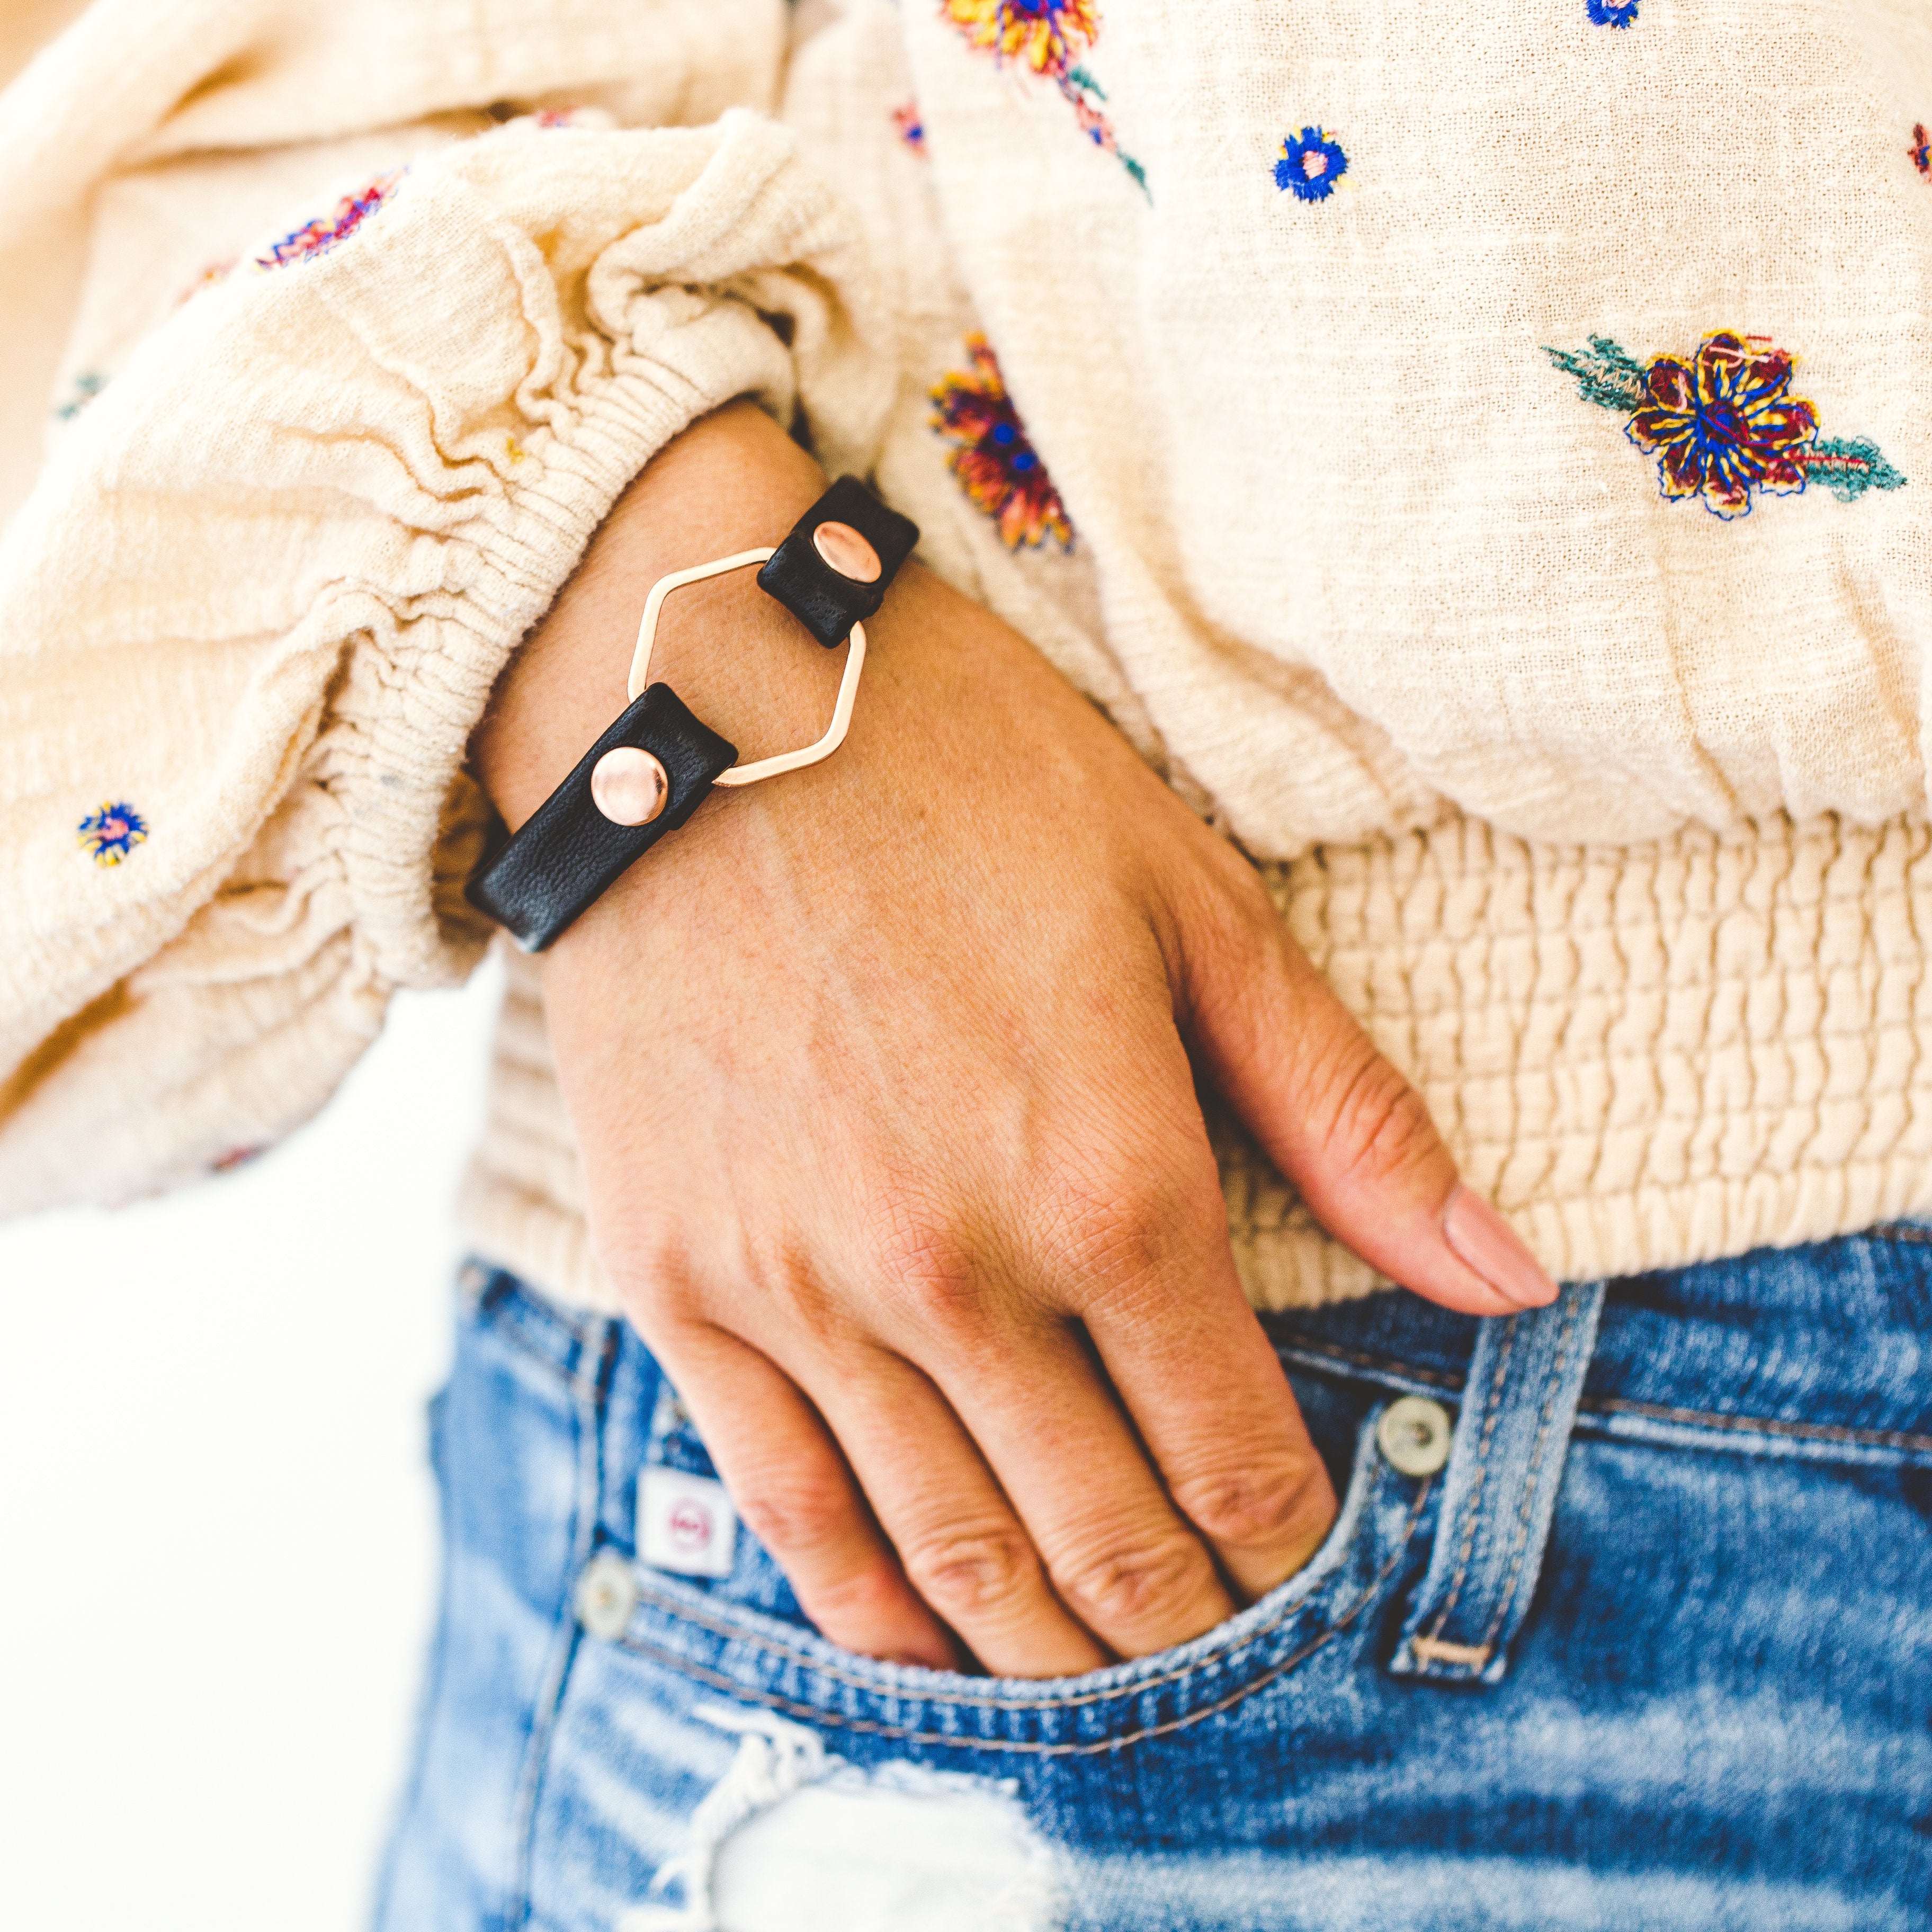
(1758, 1001)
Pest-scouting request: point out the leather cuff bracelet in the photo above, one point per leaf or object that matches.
(654, 766)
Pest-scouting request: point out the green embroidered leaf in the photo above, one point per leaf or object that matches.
(1606, 376)
(1848, 469)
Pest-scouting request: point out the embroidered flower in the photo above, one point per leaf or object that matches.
(111, 833)
(1312, 162)
(1921, 149)
(1043, 34)
(1611, 12)
(912, 129)
(998, 469)
(318, 236)
(1722, 424)
(1046, 36)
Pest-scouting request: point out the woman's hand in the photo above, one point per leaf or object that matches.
(881, 1074)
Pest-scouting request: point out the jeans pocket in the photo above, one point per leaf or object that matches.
(727, 1647)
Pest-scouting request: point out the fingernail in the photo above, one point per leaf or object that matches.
(1495, 1251)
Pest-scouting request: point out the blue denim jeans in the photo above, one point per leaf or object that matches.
(1652, 1648)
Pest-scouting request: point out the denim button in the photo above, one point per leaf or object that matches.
(606, 1593)
(1415, 1434)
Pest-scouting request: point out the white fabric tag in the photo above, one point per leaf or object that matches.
(685, 1523)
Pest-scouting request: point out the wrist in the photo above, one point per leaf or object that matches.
(733, 480)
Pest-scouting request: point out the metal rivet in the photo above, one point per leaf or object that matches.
(847, 552)
(607, 1594)
(1414, 1435)
(628, 786)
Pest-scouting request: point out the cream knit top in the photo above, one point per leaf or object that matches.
(1483, 459)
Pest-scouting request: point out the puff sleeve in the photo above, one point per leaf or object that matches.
(256, 603)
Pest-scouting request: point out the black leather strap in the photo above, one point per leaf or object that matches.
(825, 603)
(569, 852)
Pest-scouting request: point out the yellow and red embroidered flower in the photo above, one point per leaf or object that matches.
(1043, 34)
(1724, 423)
(997, 467)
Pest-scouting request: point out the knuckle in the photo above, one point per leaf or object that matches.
(1130, 1587)
(1256, 1508)
(788, 1284)
(928, 1263)
(861, 1601)
(1375, 1125)
(648, 1268)
(1119, 1222)
(1226, 902)
(791, 1515)
(972, 1577)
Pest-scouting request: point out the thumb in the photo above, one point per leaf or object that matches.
(1339, 1120)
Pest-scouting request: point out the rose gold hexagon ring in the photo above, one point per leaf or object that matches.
(784, 761)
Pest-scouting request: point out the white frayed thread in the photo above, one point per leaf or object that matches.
(775, 1759)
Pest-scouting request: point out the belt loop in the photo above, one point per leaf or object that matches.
(1499, 1489)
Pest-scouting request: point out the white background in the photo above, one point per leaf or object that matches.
(217, 1534)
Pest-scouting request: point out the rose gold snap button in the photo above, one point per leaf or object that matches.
(628, 786)
(847, 552)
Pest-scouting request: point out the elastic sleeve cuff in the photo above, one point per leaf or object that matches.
(258, 603)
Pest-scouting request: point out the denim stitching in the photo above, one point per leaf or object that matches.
(1474, 1508)
(1442, 1378)
(812, 1714)
(1819, 1432)
(1533, 1481)
(1703, 1418)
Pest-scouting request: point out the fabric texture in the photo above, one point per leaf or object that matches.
(1530, 570)
(1705, 1707)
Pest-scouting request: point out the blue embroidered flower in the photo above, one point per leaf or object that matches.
(111, 833)
(1312, 162)
(1611, 13)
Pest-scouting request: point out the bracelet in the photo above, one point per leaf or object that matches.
(657, 763)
